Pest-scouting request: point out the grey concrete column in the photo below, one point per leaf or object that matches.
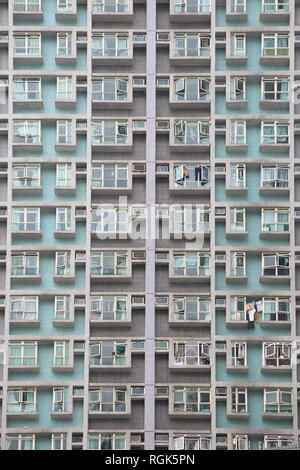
(150, 243)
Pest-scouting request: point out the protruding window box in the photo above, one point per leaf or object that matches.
(236, 148)
(65, 191)
(65, 60)
(65, 147)
(110, 414)
(27, 233)
(274, 104)
(36, 279)
(238, 415)
(188, 147)
(241, 369)
(187, 368)
(236, 60)
(66, 16)
(275, 324)
(274, 16)
(276, 416)
(63, 323)
(112, 278)
(115, 369)
(27, 147)
(266, 235)
(269, 191)
(274, 148)
(236, 323)
(28, 104)
(190, 415)
(27, 190)
(22, 368)
(276, 369)
(274, 60)
(66, 104)
(28, 60)
(236, 104)
(61, 415)
(236, 235)
(237, 191)
(32, 415)
(68, 368)
(64, 279)
(274, 279)
(28, 15)
(25, 324)
(64, 234)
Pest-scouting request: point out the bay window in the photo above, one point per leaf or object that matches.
(26, 89)
(25, 219)
(109, 132)
(108, 353)
(275, 44)
(110, 89)
(191, 353)
(108, 399)
(277, 264)
(191, 45)
(191, 308)
(64, 44)
(25, 264)
(238, 264)
(274, 132)
(238, 308)
(275, 88)
(27, 44)
(279, 6)
(192, 89)
(106, 441)
(106, 175)
(238, 88)
(109, 263)
(191, 442)
(238, 354)
(238, 6)
(110, 6)
(110, 220)
(191, 264)
(27, 132)
(191, 175)
(64, 131)
(237, 220)
(61, 353)
(192, 132)
(64, 88)
(63, 263)
(191, 399)
(238, 132)
(191, 220)
(109, 308)
(60, 399)
(23, 353)
(26, 176)
(277, 400)
(62, 307)
(238, 175)
(63, 219)
(275, 176)
(192, 6)
(64, 6)
(275, 220)
(27, 5)
(238, 45)
(63, 175)
(24, 308)
(276, 309)
(277, 354)
(59, 441)
(239, 399)
(20, 442)
(110, 45)
(21, 400)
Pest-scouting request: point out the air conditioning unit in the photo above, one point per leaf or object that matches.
(220, 301)
(138, 299)
(220, 256)
(164, 37)
(221, 391)
(139, 167)
(139, 81)
(162, 391)
(162, 82)
(162, 256)
(161, 438)
(162, 300)
(162, 124)
(138, 255)
(136, 439)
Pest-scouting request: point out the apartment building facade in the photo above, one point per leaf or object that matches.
(184, 113)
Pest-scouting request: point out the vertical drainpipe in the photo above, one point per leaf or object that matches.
(149, 413)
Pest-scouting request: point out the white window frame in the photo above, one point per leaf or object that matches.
(60, 399)
(179, 307)
(202, 50)
(202, 269)
(100, 136)
(238, 130)
(64, 88)
(99, 6)
(99, 256)
(277, 311)
(202, 135)
(99, 182)
(62, 307)
(29, 6)
(26, 81)
(277, 181)
(237, 269)
(119, 52)
(276, 267)
(238, 175)
(191, 442)
(279, 441)
(120, 94)
(22, 313)
(67, 179)
(275, 6)
(98, 401)
(275, 137)
(240, 442)
(65, 356)
(276, 223)
(63, 263)
(276, 37)
(27, 48)
(27, 178)
(23, 358)
(238, 6)
(235, 49)
(61, 438)
(200, 353)
(276, 81)
(24, 134)
(234, 223)
(64, 131)
(63, 219)
(238, 314)
(238, 88)
(27, 213)
(239, 354)
(24, 266)
(101, 299)
(279, 401)
(184, 405)
(235, 400)
(64, 44)
(21, 401)
(64, 6)
(277, 354)
(21, 440)
(97, 357)
(191, 220)
(110, 219)
(182, 181)
(115, 437)
(183, 6)
(181, 84)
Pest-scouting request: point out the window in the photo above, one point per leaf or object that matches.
(110, 175)
(21, 400)
(237, 220)
(276, 264)
(192, 132)
(191, 264)
(273, 442)
(240, 442)
(26, 89)
(107, 400)
(61, 353)
(238, 132)
(238, 88)
(64, 6)
(110, 6)
(191, 308)
(20, 442)
(25, 219)
(107, 441)
(110, 89)
(275, 220)
(25, 264)
(238, 176)
(191, 45)
(238, 354)
(277, 354)
(274, 132)
(276, 309)
(64, 88)
(191, 220)
(192, 89)
(110, 220)
(108, 353)
(238, 264)
(275, 44)
(62, 307)
(59, 441)
(109, 132)
(238, 308)
(275, 176)
(27, 132)
(64, 44)
(109, 263)
(238, 45)
(27, 44)
(64, 131)
(63, 263)
(276, 6)
(63, 175)
(239, 400)
(238, 6)
(191, 176)
(24, 308)
(26, 176)
(277, 400)
(192, 6)
(110, 45)
(191, 399)
(109, 308)
(60, 399)
(191, 353)
(63, 219)
(27, 5)
(275, 88)
(23, 353)
(191, 442)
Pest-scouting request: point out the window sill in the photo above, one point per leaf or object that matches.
(61, 415)
(126, 104)
(27, 234)
(122, 60)
(236, 60)
(65, 60)
(99, 278)
(30, 59)
(274, 235)
(199, 60)
(190, 415)
(274, 60)
(189, 147)
(236, 191)
(110, 323)
(28, 15)
(277, 416)
(113, 147)
(114, 369)
(275, 324)
(237, 104)
(23, 147)
(185, 368)
(188, 104)
(65, 147)
(236, 235)
(60, 279)
(100, 17)
(276, 369)
(64, 234)
(238, 415)
(273, 191)
(62, 368)
(271, 148)
(273, 16)
(35, 369)
(239, 279)
(274, 279)
(63, 323)
(111, 414)
(65, 16)
(189, 323)
(66, 104)
(112, 191)
(274, 104)
(26, 190)
(237, 16)
(27, 279)
(25, 323)
(65, 190)
(34, 415)
(236, 148)
(234, 369)
(188, 279)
